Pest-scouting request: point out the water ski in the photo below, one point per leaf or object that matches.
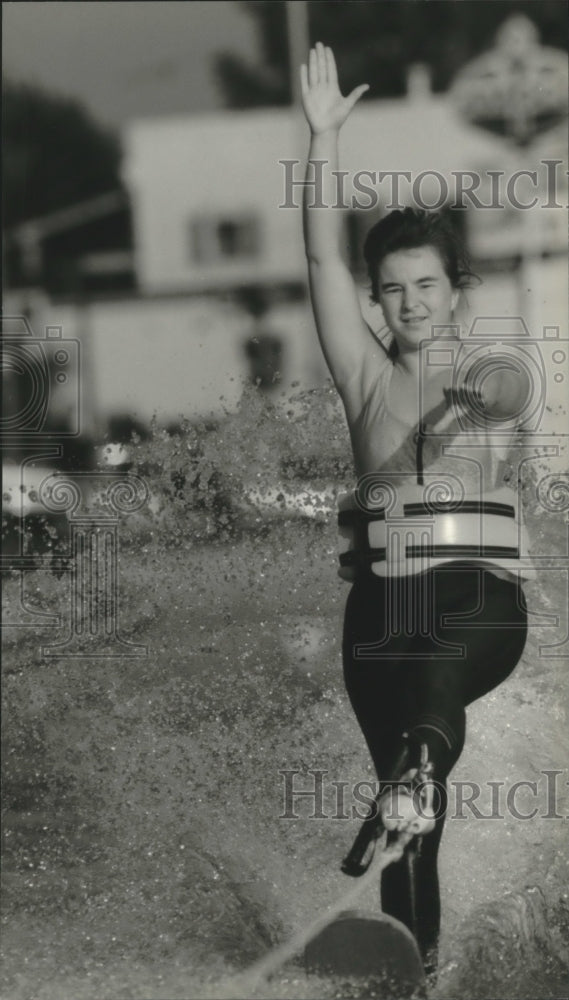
(371, 947)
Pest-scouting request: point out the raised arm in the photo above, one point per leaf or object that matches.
(345, 338)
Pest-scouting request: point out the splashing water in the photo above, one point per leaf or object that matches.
(146, 851)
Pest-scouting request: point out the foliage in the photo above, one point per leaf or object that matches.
(54, 154)
(375, 42)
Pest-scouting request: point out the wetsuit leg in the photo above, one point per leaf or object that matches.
(479, 623)
(382, 701)
(483, 616)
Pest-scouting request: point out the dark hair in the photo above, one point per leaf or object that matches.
(413, 228)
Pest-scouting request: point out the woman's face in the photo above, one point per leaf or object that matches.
(416, 296)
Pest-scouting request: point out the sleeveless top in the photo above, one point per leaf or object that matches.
(441, 488)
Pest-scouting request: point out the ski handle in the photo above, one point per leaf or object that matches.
(372, 826)
(368, 834)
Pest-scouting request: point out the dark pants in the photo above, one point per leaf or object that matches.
(435, 643)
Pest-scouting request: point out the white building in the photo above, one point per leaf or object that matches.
(208, 193)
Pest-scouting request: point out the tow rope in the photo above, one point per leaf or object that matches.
(243, 984)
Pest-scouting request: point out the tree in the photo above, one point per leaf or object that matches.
(375, 42)
(54, 154)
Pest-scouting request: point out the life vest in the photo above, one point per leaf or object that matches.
(412, 534)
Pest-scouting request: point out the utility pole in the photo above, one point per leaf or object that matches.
(298, 43)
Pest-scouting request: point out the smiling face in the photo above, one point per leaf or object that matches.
(415, 295)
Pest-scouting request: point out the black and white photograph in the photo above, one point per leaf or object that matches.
(285, 520)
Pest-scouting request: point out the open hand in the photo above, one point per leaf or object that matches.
(325, 108)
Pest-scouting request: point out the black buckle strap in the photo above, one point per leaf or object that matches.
(356, 517)
(459, 507)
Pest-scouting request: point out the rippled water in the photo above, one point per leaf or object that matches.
(145, 851)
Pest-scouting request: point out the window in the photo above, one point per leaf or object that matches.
(215, 239)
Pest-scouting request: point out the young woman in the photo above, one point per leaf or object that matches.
(436, 615)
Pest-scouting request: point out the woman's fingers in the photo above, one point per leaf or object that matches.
(319, 65)
(322, 63)
(312, 68)
(322, 70)
(304, 79)
(331, 66)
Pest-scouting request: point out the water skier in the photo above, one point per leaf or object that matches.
(435, 617)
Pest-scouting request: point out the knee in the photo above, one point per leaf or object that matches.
(444, 736)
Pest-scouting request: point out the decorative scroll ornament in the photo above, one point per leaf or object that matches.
(373, 493)
(553, 492)
(448, 491)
